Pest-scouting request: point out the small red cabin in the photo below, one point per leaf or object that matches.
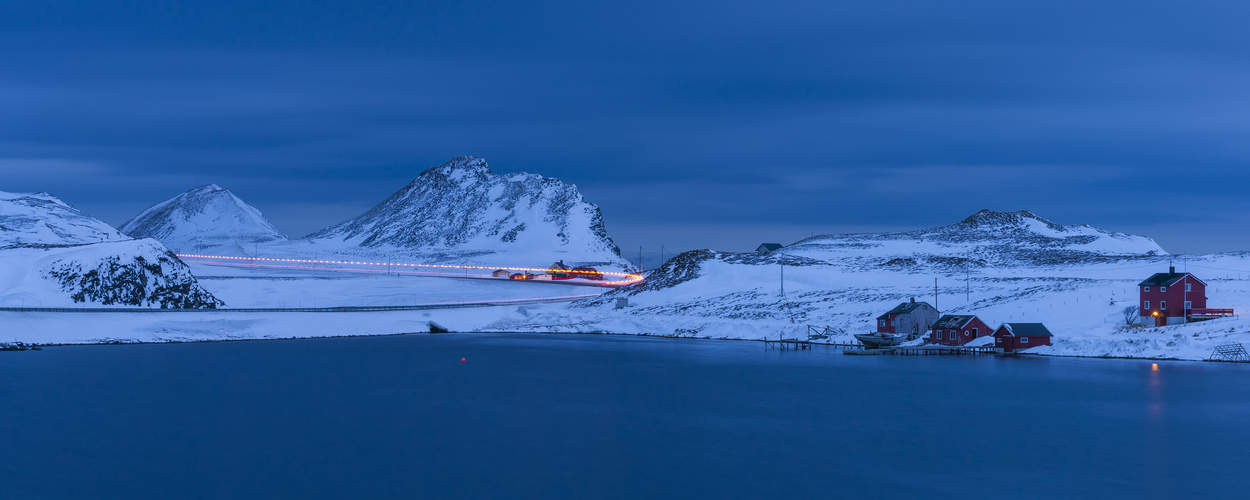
(953, 329)
(1015, 336)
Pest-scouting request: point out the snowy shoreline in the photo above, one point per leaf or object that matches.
(190, 337)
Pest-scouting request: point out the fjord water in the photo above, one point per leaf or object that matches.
(588, 416)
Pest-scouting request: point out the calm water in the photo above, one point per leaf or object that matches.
(543, 416)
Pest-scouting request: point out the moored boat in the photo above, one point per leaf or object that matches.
(878, 339)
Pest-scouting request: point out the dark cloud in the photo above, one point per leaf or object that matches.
(795, 115)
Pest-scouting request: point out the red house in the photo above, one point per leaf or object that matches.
(1174, 298)
(1016, 336)
(954, 329)
(584, 272)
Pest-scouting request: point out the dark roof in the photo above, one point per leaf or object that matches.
(768, 247)
(1167, 279)
(1027, 329)
(1163, 279)
(953, 321)
(903, 308)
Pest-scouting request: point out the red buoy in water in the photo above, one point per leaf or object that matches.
(461, 360)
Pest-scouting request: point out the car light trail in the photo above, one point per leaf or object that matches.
(453, 270)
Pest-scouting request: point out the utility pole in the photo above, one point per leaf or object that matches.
(785, 302)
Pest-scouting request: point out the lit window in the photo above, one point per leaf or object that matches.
(1163, 305)
(1024, 340)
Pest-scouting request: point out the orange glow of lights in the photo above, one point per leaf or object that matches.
(625, 278)
(1154, 367)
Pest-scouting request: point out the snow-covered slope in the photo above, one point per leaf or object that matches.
(461, 209)
(207, 216)
(40, 219)
(52, 255)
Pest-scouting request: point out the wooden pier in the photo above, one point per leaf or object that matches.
(927, 350)
(933, 350)
(787, 344)
(802, 345)
(857, 348)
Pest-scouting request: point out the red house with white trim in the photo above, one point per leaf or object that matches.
(1016, 336)
(955, 329)
(1174, 298)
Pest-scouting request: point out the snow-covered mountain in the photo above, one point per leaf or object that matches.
(461, 209)
(53, 255)
(40, 219)
(207, 216)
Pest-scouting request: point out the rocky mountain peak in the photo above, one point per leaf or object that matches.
(456, 170)
(989, 217)
(205, 189)
(462, 208)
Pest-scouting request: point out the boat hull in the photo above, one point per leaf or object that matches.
(874, 340)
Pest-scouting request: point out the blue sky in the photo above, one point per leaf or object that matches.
(691, 124)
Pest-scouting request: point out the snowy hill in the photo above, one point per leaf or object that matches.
(207, 216)
(463, 210)
(52, 255)
(987, 238)
(40, 219)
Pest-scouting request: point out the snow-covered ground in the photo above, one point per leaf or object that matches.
(278, 288)
(1081, 304)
